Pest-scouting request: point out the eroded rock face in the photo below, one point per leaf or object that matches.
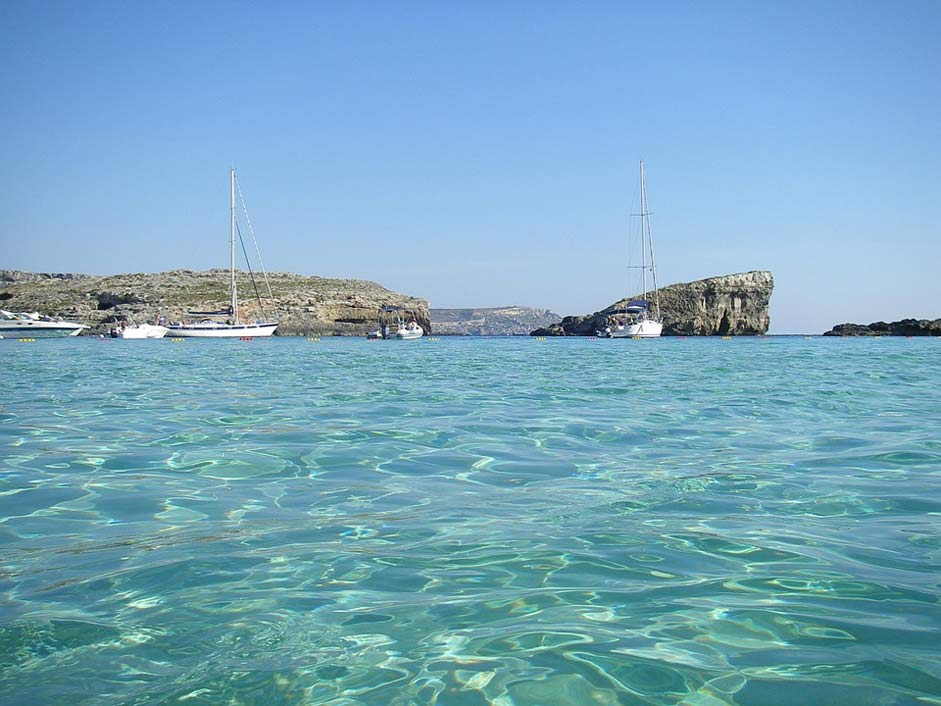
(303, 305)
(905, 327)
(109, 300)
(731, 305)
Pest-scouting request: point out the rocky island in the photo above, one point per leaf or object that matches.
(304, 305)
(731, 305)
(494, 321)
(905, 327)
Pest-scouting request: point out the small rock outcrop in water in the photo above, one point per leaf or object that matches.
(496, 321)
(303, 305)
(731, 305)
(905, 327)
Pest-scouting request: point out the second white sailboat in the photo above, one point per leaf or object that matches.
(636, 320)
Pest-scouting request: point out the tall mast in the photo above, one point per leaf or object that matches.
(234, 303)
(643, 226)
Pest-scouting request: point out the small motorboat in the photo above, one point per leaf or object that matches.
(396, 322)
(139, 331)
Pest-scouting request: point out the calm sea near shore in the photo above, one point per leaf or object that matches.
(512, 522)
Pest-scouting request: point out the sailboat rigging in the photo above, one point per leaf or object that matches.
(232, 327)
(636, 319)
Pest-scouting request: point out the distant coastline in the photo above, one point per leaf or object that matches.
(490, 321)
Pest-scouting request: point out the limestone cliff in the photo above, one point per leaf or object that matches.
(732, 305)
(494, 321)
(303, 305)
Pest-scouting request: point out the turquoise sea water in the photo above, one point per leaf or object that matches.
(471, 521)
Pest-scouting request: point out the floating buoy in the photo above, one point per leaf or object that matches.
(246, 338)
(726, 338)
(635, 338)
(313, 339)
(26, 340)
(431, 338)
(177, 339)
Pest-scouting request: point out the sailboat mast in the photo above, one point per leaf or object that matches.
(643, 226)
(234, 303)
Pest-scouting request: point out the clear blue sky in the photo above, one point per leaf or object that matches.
(485, 153)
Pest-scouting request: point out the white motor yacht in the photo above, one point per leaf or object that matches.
(35, 325)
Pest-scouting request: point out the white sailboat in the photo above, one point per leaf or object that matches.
(636, 320)
(232, 327)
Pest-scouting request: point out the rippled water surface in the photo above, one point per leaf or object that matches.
(471, 521)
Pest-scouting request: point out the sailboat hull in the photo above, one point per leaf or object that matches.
(639, 329)
(217, 330)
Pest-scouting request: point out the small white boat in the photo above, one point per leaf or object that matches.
(636, 320)
(409, 331)
(396, 322)
(35, 325)
(140, 331)
(230, 326)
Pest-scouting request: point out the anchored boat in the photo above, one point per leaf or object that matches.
(396, 322)
(35, 325)
(207, 324)
(132, 330)
(636, 320)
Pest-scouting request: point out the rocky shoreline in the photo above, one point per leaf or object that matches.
(904, 327)
(304, 305)
(730, 305)
(734, 304)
